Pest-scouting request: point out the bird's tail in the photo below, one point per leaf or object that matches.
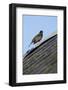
(30, 44)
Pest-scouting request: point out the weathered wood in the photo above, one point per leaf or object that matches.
(43, 59)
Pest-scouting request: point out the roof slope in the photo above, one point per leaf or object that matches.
(42, 59)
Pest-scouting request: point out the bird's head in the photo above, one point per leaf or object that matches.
(41, 32)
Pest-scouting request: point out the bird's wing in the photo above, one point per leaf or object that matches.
(35, 37)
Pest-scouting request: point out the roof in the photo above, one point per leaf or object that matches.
(43, 58)
(41, 42)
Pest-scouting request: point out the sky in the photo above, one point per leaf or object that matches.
(32, 26)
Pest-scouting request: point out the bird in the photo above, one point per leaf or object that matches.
(37, 38)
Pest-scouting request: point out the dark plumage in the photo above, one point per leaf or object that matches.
(37, 38)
